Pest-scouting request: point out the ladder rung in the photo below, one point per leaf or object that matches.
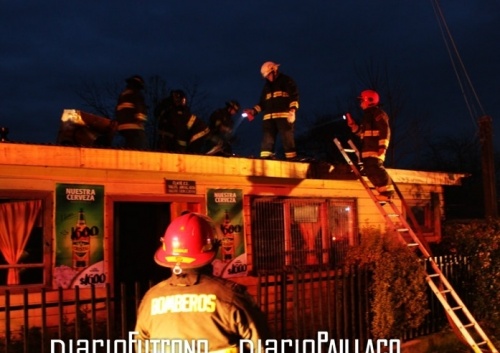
(482, 343)
(457, 308)
(412, 244)
(393, 215)
(403, 230)
(446, 291)
(469, 325)
(349, 150)
(434, 275)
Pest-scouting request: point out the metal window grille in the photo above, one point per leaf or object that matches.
(291, 232)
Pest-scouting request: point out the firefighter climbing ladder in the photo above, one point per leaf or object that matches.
(456, 310)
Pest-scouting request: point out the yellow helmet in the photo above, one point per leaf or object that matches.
(268, 67)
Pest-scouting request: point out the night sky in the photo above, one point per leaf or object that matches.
(49, 48)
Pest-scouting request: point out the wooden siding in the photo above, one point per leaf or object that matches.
(140, 176)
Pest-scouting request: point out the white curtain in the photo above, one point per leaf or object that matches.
(16, 223)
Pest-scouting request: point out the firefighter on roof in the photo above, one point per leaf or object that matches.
(179, 130)
(193, 304)
(279, 102)
(221, 127)
(131, 114)
(375, 134)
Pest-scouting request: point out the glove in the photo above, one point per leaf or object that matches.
(350, 122)
(291, 116)
(250, 114)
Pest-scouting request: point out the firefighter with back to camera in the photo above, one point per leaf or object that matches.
(193, 304)
(375, 133)
(131, 114)
(279, 102)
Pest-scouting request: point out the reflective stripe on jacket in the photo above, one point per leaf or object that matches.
(375, 132)
(278, 97)
(131, 108)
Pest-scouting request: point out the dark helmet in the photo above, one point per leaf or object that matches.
(135, 81)
(178, 98)
(233, 104)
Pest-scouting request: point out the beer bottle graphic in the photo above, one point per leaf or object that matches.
(227, 239)
(80, 236)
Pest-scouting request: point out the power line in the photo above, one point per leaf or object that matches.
(465, 83)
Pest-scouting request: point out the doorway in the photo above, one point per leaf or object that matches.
(137, 231)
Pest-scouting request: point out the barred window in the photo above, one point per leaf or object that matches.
(302, 232)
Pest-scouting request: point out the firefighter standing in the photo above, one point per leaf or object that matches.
(131, 114)
(221, 127)
(375, 134)
(279, 102)
(193, 304)
(179, 130)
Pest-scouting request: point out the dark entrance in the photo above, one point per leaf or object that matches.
(138, 229)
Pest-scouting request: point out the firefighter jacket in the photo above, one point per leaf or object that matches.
(221, 121)
(185, 128)
(278, 98)
(195, 306)
(375, 132)
(131, 111)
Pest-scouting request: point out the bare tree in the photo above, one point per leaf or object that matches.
(197, 97)
(100, 98)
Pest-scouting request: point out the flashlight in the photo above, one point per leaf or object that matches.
(344, 117)
(244, 115)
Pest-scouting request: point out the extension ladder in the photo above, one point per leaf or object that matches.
(456, 310)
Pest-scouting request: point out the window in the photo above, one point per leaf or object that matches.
(22, 234)
(427, 214)
(302, 232)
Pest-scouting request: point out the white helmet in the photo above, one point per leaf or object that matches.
(268, 67)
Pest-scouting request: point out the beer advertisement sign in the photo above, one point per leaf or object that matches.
(225, 207)
(79, 227)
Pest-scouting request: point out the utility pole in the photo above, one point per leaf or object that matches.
(488, 166)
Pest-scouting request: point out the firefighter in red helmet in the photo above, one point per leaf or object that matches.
(193, 305)
(375, 134)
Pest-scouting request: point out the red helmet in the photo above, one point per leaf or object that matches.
(189, 242)
(369, 98)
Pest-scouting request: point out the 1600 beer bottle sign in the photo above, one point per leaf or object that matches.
(230, 229)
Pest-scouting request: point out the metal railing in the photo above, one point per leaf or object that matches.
(298, 302)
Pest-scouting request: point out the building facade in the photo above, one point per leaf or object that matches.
(74, 216)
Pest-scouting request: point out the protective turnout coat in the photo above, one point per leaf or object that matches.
(200, 307)
(278, 97)
(131, 111)
(374, 132)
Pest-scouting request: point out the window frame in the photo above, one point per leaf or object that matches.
(45, 218)
(429, 225)
(287, 218)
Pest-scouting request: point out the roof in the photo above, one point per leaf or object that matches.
(119, 159)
